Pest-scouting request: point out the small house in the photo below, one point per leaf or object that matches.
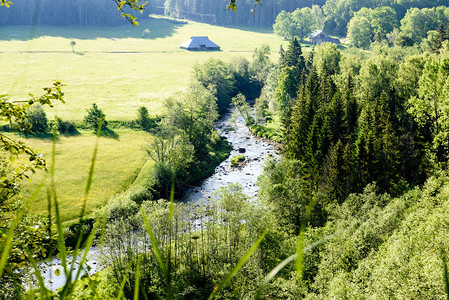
(319, 36)
(197, 43)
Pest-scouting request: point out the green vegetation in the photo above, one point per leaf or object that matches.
(236, 160)
(135, 70)
(266, 131)
(300, 23)
(355, 207)
(95, 118)
(72, 159)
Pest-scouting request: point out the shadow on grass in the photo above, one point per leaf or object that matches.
(157, 27)
(49, 135)
(39, 135)
(109, 133)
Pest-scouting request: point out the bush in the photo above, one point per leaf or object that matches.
(93, 117)
(38, 119)
(143, 119)
(145, 194)
(235, 160)
(65, 127)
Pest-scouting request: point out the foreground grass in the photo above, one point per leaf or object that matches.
(114, 66)
(118, 163)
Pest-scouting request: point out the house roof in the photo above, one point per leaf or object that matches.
(195, 42)
(316, 33)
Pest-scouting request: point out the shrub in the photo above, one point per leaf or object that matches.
(65, 127)
(142, 195)
(38, 119)
(235, 160)
(93, 117)
(143, 119)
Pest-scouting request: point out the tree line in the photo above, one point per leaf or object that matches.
(64, 12)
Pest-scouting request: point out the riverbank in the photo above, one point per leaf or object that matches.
(240, 138)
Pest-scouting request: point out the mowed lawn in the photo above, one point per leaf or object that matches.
(114, 66)
(118, 163)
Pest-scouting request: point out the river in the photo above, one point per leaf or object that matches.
(256, 150)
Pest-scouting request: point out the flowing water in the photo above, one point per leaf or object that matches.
(255, 150)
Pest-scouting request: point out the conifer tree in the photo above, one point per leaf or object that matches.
(350, 109)
(336, 116)
(282, 62)
(293, 56)
(286, 90)
(336, 173)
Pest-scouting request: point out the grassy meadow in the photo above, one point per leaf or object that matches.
(120, 71)
(113, 66)
(118, 164)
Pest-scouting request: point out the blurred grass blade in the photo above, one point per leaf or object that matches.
(122, 284)
(237, 267)
(6, 247)
(445, 273)
(91, 170)
(40, 279)
(68, 284)
(88, 245)
(273, 273)
(172, 199)
(285, 262)
(299, 262)
(53, 159)
(137, 282)
(103, 230)
(153, 240)
(168, 257)
(61, 242)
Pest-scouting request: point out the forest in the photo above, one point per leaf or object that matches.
(355, 206)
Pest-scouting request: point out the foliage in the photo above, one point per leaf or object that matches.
(171, 153)
(370, 24)
(17, 113)
(284, 187)
(95, 116)
(65, 127)
(105, 8)
(300, 23)
(38, 119)
(237, 159)
(417, 22)
(215, 75)
(429, 107)
(266, 132)
(143, 119)
(198, 259)
(135, 5)
(242, 107)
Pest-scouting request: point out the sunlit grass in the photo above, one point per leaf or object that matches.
(118, 163)
(120, 71)
(114, 66)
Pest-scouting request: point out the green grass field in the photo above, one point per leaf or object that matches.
(120, 71)
(114, 66)
(118, 164)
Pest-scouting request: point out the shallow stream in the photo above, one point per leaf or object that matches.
(255, 150)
